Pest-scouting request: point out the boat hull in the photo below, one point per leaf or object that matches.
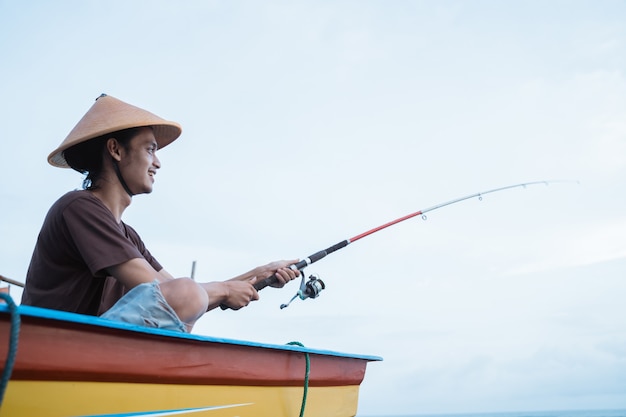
(74, 365)
(76, 398)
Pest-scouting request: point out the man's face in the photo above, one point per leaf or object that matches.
(139, 163)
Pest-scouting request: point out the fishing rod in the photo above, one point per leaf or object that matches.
(313, 287)
(11, 281)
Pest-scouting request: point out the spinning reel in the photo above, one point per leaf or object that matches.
(308, 289)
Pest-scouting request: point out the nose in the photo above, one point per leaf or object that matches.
(156, 162)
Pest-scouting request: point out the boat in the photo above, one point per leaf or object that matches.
(69, 364)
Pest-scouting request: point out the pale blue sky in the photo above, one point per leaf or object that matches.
(306, 123)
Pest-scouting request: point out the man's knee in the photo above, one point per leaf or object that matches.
(186, 297)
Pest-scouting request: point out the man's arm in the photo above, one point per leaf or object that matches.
(166, 275)
(236, 292)
(281, 269)
(136, 271)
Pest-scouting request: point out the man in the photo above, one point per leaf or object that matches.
(88, 261)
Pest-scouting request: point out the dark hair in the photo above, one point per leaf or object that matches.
(87, 157)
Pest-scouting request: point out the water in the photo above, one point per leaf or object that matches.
(564, 413)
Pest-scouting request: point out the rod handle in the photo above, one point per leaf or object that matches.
(259, 285)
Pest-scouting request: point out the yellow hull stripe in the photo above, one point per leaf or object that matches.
(73, 399)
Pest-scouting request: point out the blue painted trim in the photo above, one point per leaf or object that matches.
(30, 311)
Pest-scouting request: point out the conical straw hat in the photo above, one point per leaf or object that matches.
(108, 115)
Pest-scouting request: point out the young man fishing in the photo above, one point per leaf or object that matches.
(88, 261)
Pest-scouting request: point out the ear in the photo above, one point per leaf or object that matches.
(114, 149)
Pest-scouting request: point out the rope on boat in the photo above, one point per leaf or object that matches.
(15, 332)
(306, 377)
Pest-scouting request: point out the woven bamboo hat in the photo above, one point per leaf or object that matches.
(108, 115)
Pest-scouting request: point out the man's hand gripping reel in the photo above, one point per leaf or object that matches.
(310, 288)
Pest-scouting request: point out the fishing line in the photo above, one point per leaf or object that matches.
(312, 288)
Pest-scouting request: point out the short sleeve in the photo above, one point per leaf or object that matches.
(98, 237)
(134, 237)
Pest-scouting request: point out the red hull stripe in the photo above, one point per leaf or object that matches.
(60, 346)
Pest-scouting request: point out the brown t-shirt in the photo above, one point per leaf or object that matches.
(78, 241)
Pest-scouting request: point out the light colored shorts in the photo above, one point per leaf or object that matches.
(145, 305)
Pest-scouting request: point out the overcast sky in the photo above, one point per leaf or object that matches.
(306, 123)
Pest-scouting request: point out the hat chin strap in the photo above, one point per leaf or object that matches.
(116, 168)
